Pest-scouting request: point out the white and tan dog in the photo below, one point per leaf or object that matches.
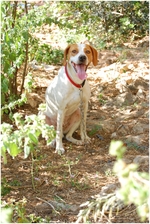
(63, 95)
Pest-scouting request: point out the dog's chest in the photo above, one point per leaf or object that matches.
(75, 99)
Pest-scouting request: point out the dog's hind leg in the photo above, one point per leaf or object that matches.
(75, 121)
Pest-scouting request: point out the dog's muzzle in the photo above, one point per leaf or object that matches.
(82, 58)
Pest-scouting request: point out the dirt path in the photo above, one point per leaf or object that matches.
(118, 109)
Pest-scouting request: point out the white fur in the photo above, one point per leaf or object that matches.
(75, 58)
(63, 102)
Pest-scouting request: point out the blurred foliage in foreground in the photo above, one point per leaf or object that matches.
(134, 189)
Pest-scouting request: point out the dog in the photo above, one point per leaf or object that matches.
(66, 92)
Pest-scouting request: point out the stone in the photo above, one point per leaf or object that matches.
(140, 83)
(144, 44)
(33, 99)
(108, 126)
(114, 135)
(140, 128)
(141, 160)
(136, 139)
(127, 161)
(110, 188)
(121, 86)
(133, 89)
(124, 99)
(124, 69)
(123, 130)
(140, 94)
(54, 206)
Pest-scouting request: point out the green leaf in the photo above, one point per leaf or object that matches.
(33, 138)
(6, 215)
(6, 37)
(13, 149)
(117, 148)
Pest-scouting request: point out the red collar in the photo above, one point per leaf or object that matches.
(75, 84)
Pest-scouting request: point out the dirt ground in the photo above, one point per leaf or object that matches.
(118, 109)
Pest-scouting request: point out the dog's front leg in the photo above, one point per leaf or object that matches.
(83, 133)
(59, 132)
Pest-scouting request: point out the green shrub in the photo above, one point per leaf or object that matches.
(26, 137)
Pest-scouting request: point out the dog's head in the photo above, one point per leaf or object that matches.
(80, 56)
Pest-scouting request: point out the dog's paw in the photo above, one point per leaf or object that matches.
(87, 139)
(79, 142)
(73, 140)
(60, 151)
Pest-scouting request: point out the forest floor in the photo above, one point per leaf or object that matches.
(118, 109)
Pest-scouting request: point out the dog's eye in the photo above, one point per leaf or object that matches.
(87, 52)
(74, 51)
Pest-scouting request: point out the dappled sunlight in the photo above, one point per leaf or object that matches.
(55, 186)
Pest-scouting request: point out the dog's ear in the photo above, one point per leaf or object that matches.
(95, 56)
(65, 54)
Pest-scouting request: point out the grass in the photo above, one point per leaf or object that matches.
(94, 130)
(79, 185)
(134, 145)
(6, 186)
(101, 99)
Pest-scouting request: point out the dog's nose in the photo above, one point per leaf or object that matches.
(82, 58)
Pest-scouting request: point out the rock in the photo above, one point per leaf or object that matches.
(131, 67)
(124, 99)
(107, 73)
(140, 94)
(34, 65)
(146, 77)
(108, 126)
(33, 99)
(127, 161)
(133, 89)
(136, 141)
(65, 207)
(124, 69)
(128, 80)
(140, 128)
(44, 208)
(110, 188)
(134, 114)
(141, 160)
(54, 205)
(121, 86)
(123, 130)
(140, 83)
(114, 135)
(108, 167)
(144, 44)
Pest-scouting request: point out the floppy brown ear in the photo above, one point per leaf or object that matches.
(65, 54)
(95, 56)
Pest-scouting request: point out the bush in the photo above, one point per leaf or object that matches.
(45, 54)
(26, 137)
(19, 22)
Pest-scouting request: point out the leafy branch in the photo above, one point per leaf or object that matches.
(26, 137)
